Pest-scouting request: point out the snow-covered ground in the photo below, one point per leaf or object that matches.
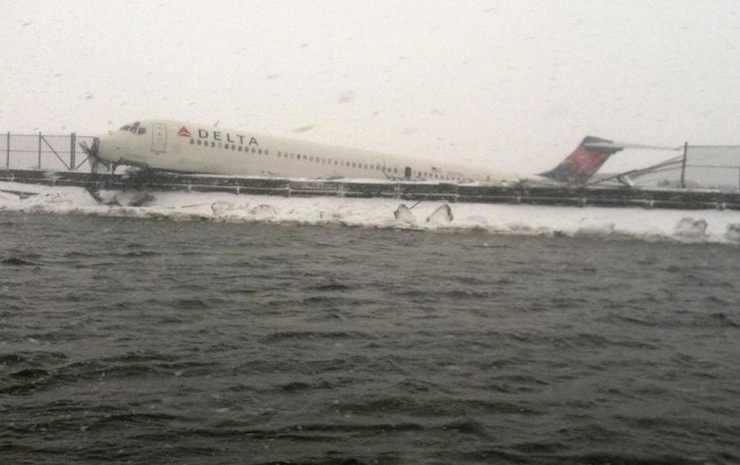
(697, 225)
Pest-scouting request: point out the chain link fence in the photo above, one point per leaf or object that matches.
(711, 166)
(702, 166)
(44, 152)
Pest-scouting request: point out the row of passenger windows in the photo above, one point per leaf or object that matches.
(324, 160)
(228, 146)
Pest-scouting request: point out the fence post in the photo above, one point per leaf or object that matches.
(683, 164)
(73, 144)
(39, 150)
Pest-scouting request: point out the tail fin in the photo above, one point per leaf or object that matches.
(584, 162)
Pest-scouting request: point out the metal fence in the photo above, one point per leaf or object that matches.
(44, 152)
(706, 166)
(715, 166)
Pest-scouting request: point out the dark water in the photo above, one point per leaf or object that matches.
(145, 341)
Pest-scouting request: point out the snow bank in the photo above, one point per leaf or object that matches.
(687, 226)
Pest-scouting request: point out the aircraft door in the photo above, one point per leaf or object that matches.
(407, 173)
(159, 138)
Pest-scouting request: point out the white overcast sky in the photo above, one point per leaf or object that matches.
(514, 83)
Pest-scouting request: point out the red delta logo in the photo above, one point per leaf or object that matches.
(183, 132)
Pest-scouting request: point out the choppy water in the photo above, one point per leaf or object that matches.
(145, 341)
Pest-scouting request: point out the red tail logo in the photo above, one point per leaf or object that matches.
(184, 132)
(584, 162)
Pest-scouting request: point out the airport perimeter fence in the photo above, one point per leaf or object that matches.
(45, 152)
(703, 166)
(715, 166)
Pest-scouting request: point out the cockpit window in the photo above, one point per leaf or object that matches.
(133, 128)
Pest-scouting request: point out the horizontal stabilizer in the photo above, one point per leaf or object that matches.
(624, 145)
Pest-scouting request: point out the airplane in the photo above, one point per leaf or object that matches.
(181, 147)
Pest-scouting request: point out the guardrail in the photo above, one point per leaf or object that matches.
(686, 199)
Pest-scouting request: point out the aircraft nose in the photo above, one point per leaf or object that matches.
(105, 146)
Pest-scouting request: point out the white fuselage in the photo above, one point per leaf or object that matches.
(190, 148)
